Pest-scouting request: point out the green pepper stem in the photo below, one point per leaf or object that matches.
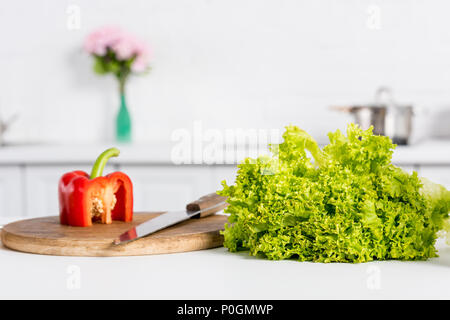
(99, 165)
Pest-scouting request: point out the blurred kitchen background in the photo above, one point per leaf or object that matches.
(230, 64)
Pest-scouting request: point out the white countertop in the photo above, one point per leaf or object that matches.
(431, 152)
(155, 153)
(217, 274)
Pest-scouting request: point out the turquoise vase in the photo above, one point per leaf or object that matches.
(123, 121)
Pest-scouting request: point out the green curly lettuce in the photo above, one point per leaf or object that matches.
(347, 203)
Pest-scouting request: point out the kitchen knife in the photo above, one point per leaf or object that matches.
(203, 207)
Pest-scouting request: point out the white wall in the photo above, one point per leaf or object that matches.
(230, 63)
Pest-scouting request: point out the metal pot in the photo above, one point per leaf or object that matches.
(4, 125)
(385, 115)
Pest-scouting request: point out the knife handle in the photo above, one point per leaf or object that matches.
(209, 204)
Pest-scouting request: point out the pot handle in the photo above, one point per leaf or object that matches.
(387, 92)
(346, 109)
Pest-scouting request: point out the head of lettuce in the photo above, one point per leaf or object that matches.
(344, 202)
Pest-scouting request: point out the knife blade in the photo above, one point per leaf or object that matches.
(203, 207)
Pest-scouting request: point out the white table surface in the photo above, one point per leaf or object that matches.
(217, 274)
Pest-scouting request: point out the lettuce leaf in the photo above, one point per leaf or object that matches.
(347, 203)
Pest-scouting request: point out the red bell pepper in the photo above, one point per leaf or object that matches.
(84, 199)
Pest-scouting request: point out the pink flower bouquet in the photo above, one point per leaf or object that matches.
(121, 54)
(118, 52)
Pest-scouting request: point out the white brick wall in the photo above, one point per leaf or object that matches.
(235, 63)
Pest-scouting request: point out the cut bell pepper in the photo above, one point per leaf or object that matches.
(84, 199)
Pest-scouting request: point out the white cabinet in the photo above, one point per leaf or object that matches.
(156, 187)
(32, 190)
(220, 173)
(11, 190)
(437, 174)
(161, 188)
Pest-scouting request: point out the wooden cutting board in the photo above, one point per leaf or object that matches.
(47, 236)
